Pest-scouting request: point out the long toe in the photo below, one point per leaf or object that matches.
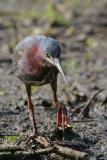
(62, 120)
(59, 117)
(30, 139)
(64, 117)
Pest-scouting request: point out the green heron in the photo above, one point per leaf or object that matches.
(36, 61)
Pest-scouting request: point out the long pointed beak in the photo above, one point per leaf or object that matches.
(57, 63)
(59, 67)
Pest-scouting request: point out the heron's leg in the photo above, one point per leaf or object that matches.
(31, 109)
(54, 90)
(61, 117)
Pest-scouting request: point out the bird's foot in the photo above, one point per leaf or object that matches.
(61, 118)
(35, 140)
(31, 138)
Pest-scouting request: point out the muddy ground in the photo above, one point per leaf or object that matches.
(84, 57)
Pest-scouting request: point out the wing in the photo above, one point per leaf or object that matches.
(28, 60)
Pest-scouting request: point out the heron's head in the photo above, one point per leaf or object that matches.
(52, 52)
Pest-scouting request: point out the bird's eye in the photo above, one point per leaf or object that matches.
(46, 54)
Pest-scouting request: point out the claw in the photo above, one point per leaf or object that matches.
(61, 118)
(31, 137)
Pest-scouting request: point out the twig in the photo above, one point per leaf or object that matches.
(27, 154)
(77, 109)
(68, 152)
(88, 103)
(5, 60)
(64, 151)
(85, 120)
(10, 148)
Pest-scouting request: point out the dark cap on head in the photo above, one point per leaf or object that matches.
(52, 47)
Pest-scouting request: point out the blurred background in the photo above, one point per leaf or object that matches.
(81, 28)
(78, 25)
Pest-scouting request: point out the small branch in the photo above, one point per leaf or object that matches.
(85, 120)
(88, 103)
(10, 148)
(20, 151)
(25, 154)
(77, 109)
(68, 152)
(5, 60)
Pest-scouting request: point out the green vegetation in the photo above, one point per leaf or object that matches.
(31, 14)
(55, 16)
(11, 138)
